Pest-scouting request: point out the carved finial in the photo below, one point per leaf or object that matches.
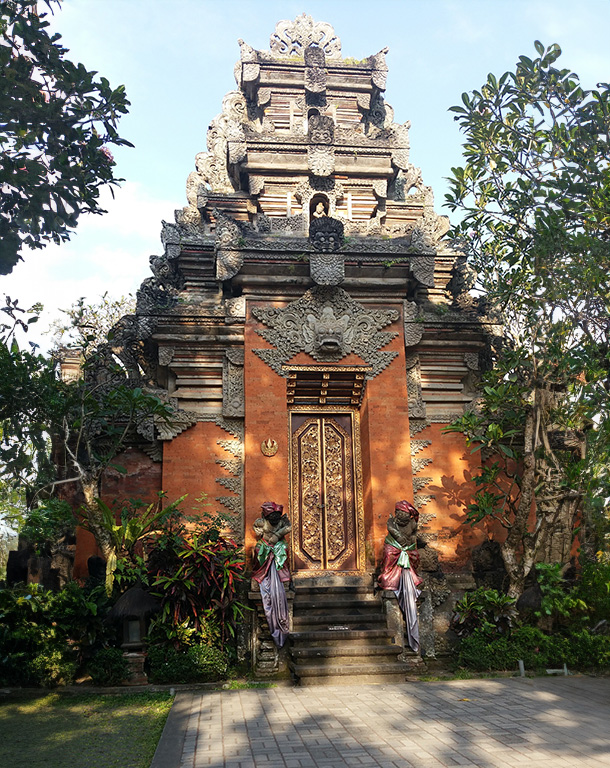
(291, 38)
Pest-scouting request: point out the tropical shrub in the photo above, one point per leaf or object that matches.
(197, 577)
(580, 650)
(45, 636)
(199, 663)
(108, 667)
(484, 610)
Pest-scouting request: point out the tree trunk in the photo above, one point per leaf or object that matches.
(89, 486)
(517, 549)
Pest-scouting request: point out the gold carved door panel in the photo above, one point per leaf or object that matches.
(325, 525)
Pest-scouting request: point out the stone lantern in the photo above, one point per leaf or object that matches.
(134, 609)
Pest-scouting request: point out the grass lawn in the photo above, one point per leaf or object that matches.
(82, 731)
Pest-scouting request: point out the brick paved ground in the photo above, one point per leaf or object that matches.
(521, 723)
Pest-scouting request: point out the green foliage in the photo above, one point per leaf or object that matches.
(46, 523)
(86, 325)
(45, 636)
(199, 663)
(486, 611)
(539, 651)
(108, 667)
(203, 584)
(534, 192)
(558, 602)
(593, 588)
(136, 521)
(58, 121)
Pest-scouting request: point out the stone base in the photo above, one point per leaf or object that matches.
(135, 661)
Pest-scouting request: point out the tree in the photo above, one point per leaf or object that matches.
(56, 124)
(535, 196)
(86, 325)
(58, 434)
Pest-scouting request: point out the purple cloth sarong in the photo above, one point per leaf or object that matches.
(275, 604)
(407, 594)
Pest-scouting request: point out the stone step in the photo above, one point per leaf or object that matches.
(336, 635)
(339, 619)
(334, 580)
(345, 653)
(331, 591)
(334, 603)
(330, 674)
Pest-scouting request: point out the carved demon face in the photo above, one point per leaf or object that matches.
(326, 241)
(328, 333)
(325, 233)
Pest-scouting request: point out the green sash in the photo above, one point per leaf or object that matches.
(279, 550)
(403, 558)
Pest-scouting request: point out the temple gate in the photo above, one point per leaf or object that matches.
(312, 327)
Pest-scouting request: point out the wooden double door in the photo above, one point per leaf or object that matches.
(326, 508)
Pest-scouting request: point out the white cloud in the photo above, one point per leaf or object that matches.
(106, 253)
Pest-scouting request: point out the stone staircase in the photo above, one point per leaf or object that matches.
(341, 634)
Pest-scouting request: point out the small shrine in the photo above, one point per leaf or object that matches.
(312, 328)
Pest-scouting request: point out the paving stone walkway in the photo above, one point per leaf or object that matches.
(521, 723)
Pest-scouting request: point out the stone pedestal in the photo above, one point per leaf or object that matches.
(135, 661)
(267, 659)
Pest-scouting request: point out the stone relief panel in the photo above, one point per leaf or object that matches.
(414, 330)
(417, 407)
(233, 400)
(327, 324)
(321, 159)
(291, 38)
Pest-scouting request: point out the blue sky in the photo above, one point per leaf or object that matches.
(176, 60)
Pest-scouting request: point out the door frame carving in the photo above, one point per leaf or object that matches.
(329, 410)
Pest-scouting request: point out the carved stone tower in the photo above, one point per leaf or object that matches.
(308, 321)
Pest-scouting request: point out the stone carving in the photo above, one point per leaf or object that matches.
(271, 569)
(420, 500)
(327, 324)
(333, 191)
(417, 407)
(232, 484)
(422, 268)
(380, 188)
(234, 447)
(320, 129)
(321, 159)
(256, 184)
(327, 268)
(400, 144)
(233, 466)
(233, 399)
(413, 330)
(315, 79)
(212, 170)
(420, 482)
(166, 355)
(229, 258)
(429, 229)
(314, 56)
(472, 360)
(419, 445)
(417, 464)
(291, 38)
(381, 114)
(400, 561)
(177, 423)
(380, 69)
(235, 310)
(325, 233)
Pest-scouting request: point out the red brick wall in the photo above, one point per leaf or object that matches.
(189, 466)
(384, 434)
(142, 479)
